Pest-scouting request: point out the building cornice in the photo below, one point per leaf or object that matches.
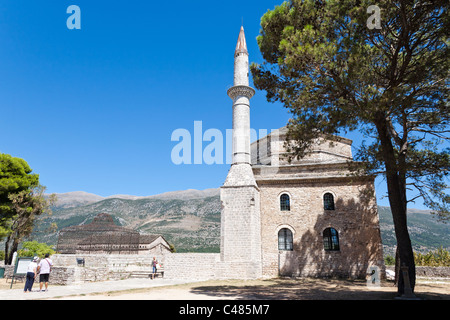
(260, 180)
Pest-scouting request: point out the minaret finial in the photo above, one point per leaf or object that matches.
(241, 46)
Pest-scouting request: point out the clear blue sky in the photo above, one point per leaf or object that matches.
(94, 109)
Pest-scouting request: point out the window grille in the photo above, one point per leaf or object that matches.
(330, 239)
(285, 203)
(328, 201)
(285, 241)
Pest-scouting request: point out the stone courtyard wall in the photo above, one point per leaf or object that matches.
(208, 266)
(195, 266)
(104, 267)
(188, 266)
(98, 267)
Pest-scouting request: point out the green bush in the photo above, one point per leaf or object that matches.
(32, 248)
(438, 258)
(389, 260)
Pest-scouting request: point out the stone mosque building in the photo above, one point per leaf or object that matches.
(310, 217)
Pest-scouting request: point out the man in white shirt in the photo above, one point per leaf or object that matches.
(31, 275)
(44, 269)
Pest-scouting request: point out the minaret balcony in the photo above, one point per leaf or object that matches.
(241, 91)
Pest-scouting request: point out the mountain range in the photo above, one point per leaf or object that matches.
(190, 219)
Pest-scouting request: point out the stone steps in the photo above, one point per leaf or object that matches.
(143, 274)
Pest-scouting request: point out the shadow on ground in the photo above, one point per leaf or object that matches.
(313, 289)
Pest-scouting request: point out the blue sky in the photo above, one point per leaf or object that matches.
(94, 109)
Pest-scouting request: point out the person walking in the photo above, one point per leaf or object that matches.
(154, 263)
(44, 269)
(31, 275)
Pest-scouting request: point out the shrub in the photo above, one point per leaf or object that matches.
(32, 248)
(438, 258)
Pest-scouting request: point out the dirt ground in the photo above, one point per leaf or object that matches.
(276, 289)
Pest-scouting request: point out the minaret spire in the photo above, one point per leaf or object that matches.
(241, 61)
(241, 94)
(241, 46)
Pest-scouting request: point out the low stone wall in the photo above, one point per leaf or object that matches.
(208, 266)
(428, 272)
(9, 270)
(433, 272)
(195, 266)
(130, 262)
(98, 267)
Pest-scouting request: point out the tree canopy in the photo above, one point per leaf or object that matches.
(336, 73)
(21, 201)
(15, 176)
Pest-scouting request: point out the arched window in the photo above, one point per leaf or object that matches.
(285, 203)
(285, 240)
(330, 239)
(328, 201)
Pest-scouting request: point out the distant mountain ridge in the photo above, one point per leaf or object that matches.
(190, 219)
(77, 198)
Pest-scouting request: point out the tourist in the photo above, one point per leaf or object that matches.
(155, 262)
(44, 269)
(31, 275)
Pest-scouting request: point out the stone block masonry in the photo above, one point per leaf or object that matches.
(208, 266)
(99, 267)
(354, 217)
(240, 225)
(193, 266)
(183, 266)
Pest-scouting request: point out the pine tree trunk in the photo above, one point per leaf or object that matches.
(397, 201)
(11, 246)
(7, 260)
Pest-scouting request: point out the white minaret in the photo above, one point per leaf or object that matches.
(241, 94)
(240, 246)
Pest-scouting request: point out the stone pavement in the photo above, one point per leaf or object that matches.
(86, 288)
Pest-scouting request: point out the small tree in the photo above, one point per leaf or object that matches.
(27, 205)
(21, 201)
(15, 176)
(31, 248)
(336, 73)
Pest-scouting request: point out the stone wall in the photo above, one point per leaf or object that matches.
(355, 220)
(208, 266)
(240, 224)
(433, 272)
(194, 266)
(98, 267)
(129, 262)
(428, 272)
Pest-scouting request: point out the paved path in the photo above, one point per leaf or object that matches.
(86, 288)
